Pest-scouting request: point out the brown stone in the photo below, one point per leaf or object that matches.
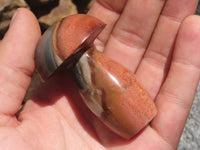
(71, 36)
(66, 39)
(113, 94)
(65, 8)
(109, 90)
(91, 3)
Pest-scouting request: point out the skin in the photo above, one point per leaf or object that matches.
(158, 40)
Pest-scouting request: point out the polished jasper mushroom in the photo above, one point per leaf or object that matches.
(109, 90)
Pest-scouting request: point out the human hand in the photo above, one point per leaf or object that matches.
(56, 118)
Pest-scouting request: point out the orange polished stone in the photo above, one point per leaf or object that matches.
(113, 93)
(70, 37)
(75, 30)
(110, 91)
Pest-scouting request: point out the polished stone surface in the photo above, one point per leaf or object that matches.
(65, 42)
(110, 91)
(113, 94)
(191, 135)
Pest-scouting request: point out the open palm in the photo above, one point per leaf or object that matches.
(158, 40)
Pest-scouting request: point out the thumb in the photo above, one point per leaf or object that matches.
(17, 60)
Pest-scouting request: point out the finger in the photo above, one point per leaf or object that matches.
(156, 61)
(176, 96)
(17, 60)
(108, 12)
(132, 32)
